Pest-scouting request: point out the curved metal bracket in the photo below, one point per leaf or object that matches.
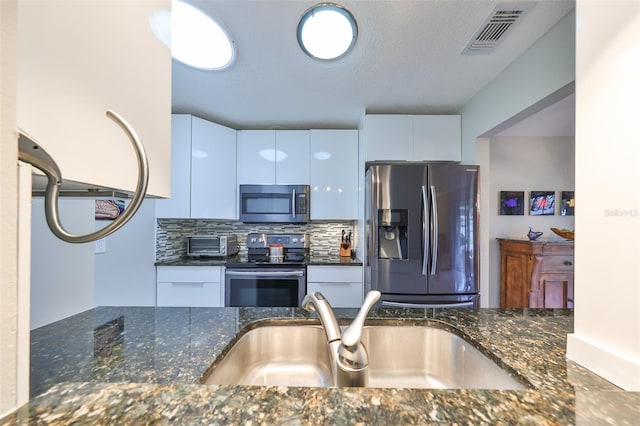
(32, 153)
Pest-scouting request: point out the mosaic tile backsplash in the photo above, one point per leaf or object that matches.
(324, 237)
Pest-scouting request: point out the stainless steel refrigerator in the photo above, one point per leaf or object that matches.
(422, 234)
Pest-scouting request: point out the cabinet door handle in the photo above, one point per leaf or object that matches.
(568, 262)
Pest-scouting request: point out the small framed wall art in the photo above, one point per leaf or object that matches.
(512, 203)
(542, 203)
(568, 203)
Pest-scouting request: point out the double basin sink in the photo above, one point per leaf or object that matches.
(400, 356)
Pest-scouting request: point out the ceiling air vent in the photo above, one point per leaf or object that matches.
(500, 22)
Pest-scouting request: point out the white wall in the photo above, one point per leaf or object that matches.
(525, 164)
(607, 316)
(125, 274)
(542, 70)
(62, 282)
(539, 77)
(9, 303)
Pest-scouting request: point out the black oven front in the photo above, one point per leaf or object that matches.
(265, 286)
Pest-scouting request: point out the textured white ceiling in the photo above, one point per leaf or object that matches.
(406, 60)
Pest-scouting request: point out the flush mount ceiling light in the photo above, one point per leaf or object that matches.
(327, 31)
(193, 37)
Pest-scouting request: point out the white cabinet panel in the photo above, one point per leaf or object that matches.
(213, 171)
(257, 157)
(190, 273)
(388, 137)
(189, 294)
(334, 174)
(412, 137)
(203, 171)
(437, 137)
(293, 169)
(79, 59)
(268, 157)
(178, 205)
(339, 294)
(341, 285)
(200, 286)
(334, 273)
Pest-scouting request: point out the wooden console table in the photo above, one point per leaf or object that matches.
(536, 274)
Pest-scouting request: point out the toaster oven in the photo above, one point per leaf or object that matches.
(212, 245)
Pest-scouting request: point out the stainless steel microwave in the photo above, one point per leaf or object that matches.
(274, 203)
(212, 245)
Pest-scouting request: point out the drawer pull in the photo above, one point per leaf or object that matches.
(568, 262)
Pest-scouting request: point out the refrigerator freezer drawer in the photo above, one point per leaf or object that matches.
(430, 301)
(469, 304)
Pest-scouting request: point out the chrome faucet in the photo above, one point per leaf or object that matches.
(349, 358)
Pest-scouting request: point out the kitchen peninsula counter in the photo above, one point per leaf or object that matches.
(116, 365)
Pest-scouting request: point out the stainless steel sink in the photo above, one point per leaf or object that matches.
(399, 357)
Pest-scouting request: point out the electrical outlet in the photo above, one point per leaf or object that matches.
(101, 245)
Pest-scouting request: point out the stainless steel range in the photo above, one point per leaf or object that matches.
(273, 273)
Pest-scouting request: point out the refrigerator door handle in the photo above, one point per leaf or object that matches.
(425, 230)
(434, 227)
(427, 305)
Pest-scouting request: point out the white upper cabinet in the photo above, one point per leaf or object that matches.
(437, 137)
(412, 137)
(334, 174)
(388, 137)
(203, 176)
(268, 157)
(78, 59)
(293, 168)
(179, 205)
(256, 157)
(213, 170)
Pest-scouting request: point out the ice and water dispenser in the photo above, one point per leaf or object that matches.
(392, 233)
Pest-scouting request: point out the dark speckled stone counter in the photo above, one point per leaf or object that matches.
(314, 259)
(142, 366)
(195, 261)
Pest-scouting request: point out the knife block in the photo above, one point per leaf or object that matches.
(345, 252)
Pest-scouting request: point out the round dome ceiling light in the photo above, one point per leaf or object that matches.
(327, 31)
(195, 39)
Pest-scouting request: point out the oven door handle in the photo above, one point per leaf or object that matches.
(269, 274)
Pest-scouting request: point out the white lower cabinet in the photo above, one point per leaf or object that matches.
(191, 286)
(341, 285)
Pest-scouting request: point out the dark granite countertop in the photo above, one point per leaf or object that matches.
(313, 259)
(328, 259)
(114, 365)
(196, 261)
